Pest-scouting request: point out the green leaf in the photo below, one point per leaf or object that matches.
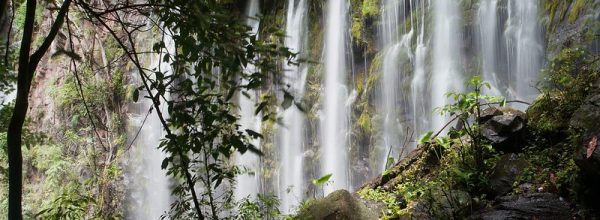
(260, 107)
(425, 138)
(322, 180)
(389, 162)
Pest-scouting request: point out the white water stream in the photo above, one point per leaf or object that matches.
(426, 51)
(247, 183)
(335, 119)
(291, 135)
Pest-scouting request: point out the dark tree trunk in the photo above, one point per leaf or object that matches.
(15, 127)
(26, 70)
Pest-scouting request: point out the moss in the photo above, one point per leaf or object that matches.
(370, 8)
(568, 76)
(392, 209)
(576, 9)
(357, 28)
(364, 121)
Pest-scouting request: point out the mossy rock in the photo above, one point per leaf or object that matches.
(337, 205)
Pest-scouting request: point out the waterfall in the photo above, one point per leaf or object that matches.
(335, 118)
(247, 183)
(487, 18)
(6, 98)
(396, 41)
(292, 134)
(446, 74)
(421, 116)
(525, 49)
(149, 185)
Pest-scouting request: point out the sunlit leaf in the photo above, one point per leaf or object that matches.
(425, 138)
(322, 180)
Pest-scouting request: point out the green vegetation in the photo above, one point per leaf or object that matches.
(450, 175)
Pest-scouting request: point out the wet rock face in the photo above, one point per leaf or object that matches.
(504, 129)
(507, 169)
(586, 120)
(529, 206)
(337, 205)
(586, 123)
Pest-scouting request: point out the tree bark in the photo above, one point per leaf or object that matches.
(27, 65)
(15, 127)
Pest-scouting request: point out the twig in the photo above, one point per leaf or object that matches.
(512, 101)
(446, 125)
(140, 129)
(12, 18)
(80, 87)
(133, 57)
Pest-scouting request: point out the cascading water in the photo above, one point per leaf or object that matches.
(6, 98)
(247, 183)
(291, 134)
(487, 18)
(335, 119)
(525, 48)
(393, 100)
(446, 73)
(426, 47)
(150, 192)
(418, 89)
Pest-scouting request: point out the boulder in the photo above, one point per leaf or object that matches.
(337, 205)
(488, 113)
(529, 206)
(586, 121)
(508, 167)
(506, 132)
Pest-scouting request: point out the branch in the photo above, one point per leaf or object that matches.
(39, 53)
(10, 27)
(512, 101)
(133, 57)
(446, 125)
(139, 129)
(80, 89)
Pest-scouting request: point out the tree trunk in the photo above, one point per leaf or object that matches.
(27, 66)
(15, 127)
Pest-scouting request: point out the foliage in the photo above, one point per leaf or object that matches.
(392, 209)
(211, 55)
(322, 180)
(467, 108)
(570, 77)
(265, 207)
(67, 207)
(445, 177)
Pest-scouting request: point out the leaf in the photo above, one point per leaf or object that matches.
(425, 138)
(260, 107)
(592, 146)
(322, 180)
(136, 95)
(389, 162)
(254, 134)
(164, 164)
(255, 150)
